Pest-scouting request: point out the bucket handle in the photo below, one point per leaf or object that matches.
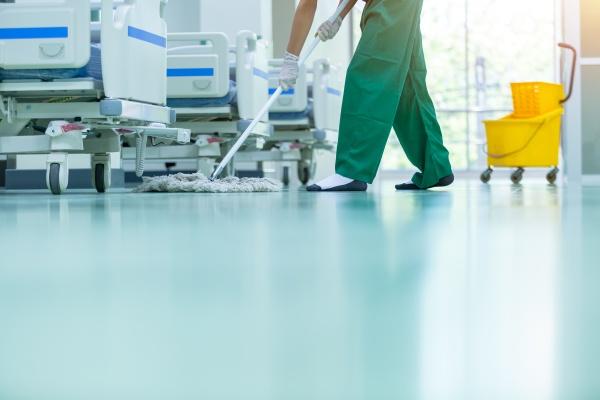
(512, 153)
(573, 70)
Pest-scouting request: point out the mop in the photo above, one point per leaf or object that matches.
(199, 183)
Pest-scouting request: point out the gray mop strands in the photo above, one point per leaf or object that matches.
(198, 183)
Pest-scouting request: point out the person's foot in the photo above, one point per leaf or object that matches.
(338, 183)
(445, 181)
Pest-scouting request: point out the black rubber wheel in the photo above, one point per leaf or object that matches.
(552, 175)
(304, 174)
(517, 176)
(486, 175)
(99, 178)
(286, 176)
(54, 178)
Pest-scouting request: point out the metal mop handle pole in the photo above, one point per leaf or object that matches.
(231, 153)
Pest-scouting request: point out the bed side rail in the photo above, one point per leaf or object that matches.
(134, 51)
(252, 74)
(198, 65)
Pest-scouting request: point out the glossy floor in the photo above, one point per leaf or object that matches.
(472, 293)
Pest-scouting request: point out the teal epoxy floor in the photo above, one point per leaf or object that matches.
(478, 293)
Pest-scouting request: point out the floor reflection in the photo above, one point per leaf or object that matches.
(479, 292)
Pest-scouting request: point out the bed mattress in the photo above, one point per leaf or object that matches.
(293, 116)
(229, 99)
(92, 70)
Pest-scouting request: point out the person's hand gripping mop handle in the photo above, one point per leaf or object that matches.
(229, 156)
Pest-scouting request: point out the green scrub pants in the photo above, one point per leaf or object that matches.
(385, 88)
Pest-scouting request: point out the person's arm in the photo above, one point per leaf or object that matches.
(348, 8)
(329, 28)
(303, 20)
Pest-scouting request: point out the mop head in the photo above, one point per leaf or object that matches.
(198, 183)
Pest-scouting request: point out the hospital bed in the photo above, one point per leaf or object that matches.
(70, 85)
(216, 91)
(305, 118)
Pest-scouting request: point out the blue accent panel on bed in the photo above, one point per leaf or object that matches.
(230, 99)
(51, 32)
(189, 72)
(146, 36)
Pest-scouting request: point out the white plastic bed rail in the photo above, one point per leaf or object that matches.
(134, 51)
(44, 34)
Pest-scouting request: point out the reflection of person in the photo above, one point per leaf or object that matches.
(385, 88)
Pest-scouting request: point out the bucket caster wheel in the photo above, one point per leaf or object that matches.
(101, 172)
(486, 175)
(57, 173)
(286, 176)
(517, 176)
(552, 175)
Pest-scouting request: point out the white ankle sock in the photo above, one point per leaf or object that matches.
(334, 181)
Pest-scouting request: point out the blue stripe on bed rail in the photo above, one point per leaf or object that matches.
(189, 72)
(51, 32)
(334, 92)
(146, 36)
(288, 92)
(261, 74)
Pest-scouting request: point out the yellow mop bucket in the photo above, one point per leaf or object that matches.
(529, 137)
(524, 142)
(531, 99)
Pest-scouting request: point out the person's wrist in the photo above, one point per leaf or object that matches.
(291, 57)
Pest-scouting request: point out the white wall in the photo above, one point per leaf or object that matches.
(183, 15)
(283, 11)
(231, 16)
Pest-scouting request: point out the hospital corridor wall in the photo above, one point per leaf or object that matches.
(183, 16)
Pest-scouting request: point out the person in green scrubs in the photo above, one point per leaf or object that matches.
(385, 88)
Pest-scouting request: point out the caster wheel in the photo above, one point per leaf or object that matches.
(101, 169)
(486, 175)
(99, 178)
(517, 176)
(552, 175)
(304, 173)
(54, 179)
(286, 176)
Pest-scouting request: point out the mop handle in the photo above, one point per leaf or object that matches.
(231, 153)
